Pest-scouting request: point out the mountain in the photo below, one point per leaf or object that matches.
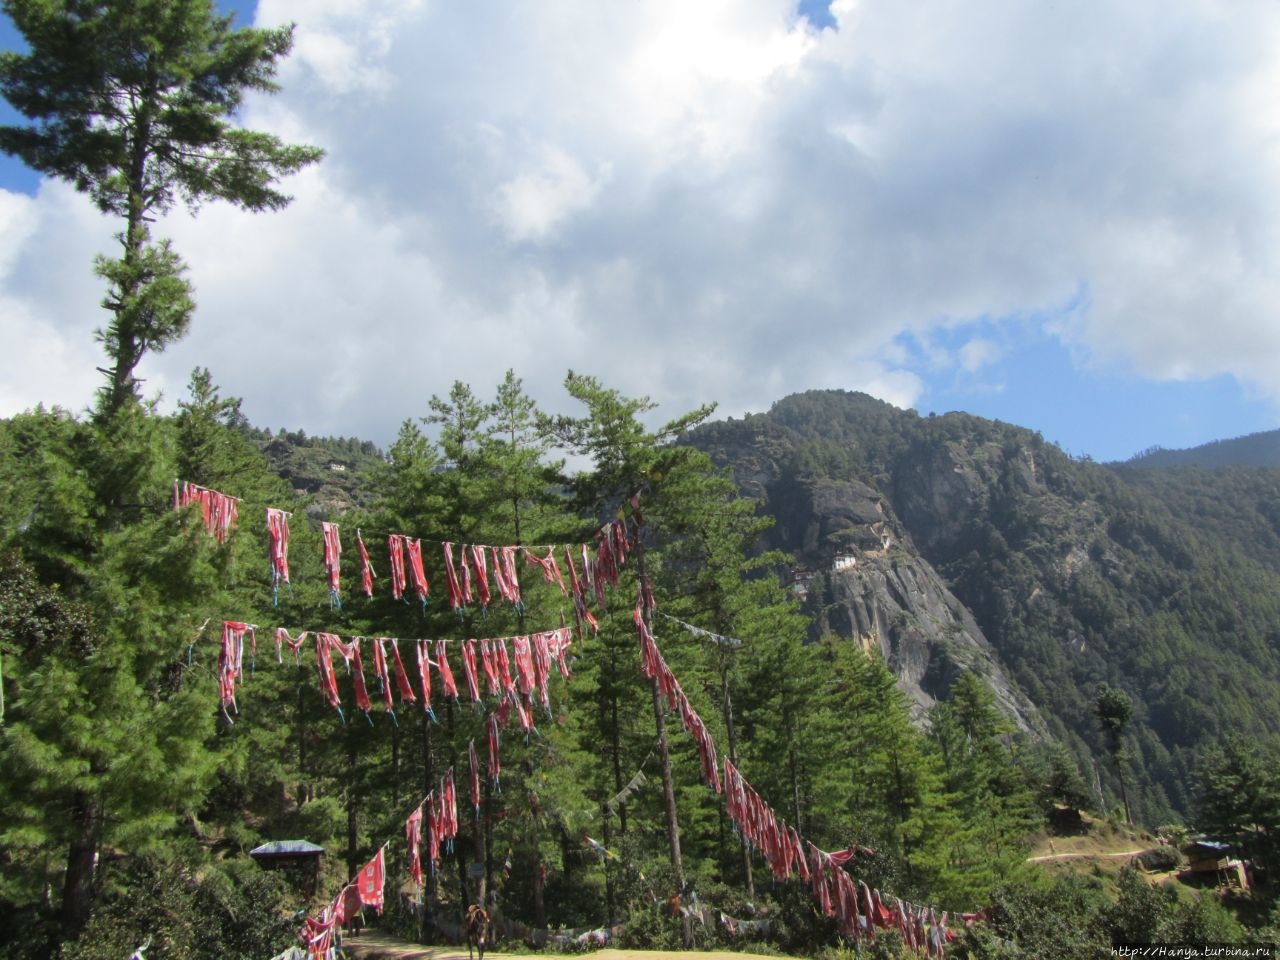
(1255, 450)
(954, 543)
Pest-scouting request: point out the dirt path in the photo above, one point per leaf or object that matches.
(379, 946)
(1084, 856)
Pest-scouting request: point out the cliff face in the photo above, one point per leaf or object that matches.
(860, 576)
(955, 543)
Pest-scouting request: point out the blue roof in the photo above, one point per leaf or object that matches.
(284, 848)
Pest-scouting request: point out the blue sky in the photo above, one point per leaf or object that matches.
(1060, 218)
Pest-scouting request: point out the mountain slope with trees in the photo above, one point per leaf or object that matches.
(1161, 584)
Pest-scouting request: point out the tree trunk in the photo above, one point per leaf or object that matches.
(77, 888)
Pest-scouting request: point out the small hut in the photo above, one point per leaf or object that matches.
(300, 857)
(1212, 862)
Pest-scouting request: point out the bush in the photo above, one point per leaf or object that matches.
(231, 911)
(1160, 858)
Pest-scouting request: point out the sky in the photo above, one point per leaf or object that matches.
(1058, 215)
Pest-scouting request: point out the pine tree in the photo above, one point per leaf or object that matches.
(131, 102)
(105, 728)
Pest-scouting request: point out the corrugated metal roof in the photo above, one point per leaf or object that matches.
(277, 848)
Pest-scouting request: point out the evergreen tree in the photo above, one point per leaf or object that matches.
(131, 102)
(1238, 798)
(990, 786)
(104, 736)
(1113, 711)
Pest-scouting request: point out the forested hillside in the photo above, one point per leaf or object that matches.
(1255, 450)
(141, 767)
(1163, 584)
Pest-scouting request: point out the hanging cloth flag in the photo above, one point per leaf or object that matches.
(495, 746)
(550, 572)
(521, 703)
(504, 665)
(414, 549)
(580, 612)
(402, 675)
(504, 573)
(369, 881)
(465, 584)
(542, 668)
(366, 568)
(451, 587)
(231, 661)
(525, 675)
(448, 809)
(317, 932)
(382, 672)
(362, 691)
(424, 675)
(395, 544)
(474, 760)
(295, 644)
(447, 683)
(558, 642)
(489, 660)
(324, 662)
(278, 532)
(332, 551)
(476, 555)
(413, 835)
(469, 669)
(599, 848)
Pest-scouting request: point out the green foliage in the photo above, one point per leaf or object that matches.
(1238, 797)
(103, 587)
(187, 911)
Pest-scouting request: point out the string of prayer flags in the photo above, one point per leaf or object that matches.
(707, 634)
(655, 668)
(368, 889)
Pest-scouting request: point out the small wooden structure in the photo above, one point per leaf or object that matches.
(300, 857)
(1212, 861)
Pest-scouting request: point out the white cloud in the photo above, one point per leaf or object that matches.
(978, 353)
(712, 201)
(540, 197)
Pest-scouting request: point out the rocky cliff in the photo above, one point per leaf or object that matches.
(860, 576)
